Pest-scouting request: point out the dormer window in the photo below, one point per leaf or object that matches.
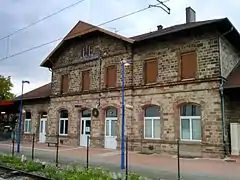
(86, 51)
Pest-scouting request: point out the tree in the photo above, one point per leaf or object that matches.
(5, 88)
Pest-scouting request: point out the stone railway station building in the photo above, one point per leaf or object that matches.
(182, 83)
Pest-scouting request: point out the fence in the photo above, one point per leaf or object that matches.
(87, 165)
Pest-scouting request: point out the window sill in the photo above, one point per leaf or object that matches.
(150, 84)
(28, 133)
(63, 135)
(152, 138)
(187, 141)
(189, 79)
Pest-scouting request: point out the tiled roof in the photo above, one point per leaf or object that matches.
(38, 93)
(80, 29)
(175, 28)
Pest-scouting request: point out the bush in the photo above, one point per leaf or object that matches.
(69, 173)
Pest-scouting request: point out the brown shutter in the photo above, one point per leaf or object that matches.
(65, 83)
(188, 65)
(151, 71)
(85, 80)
(111, 76)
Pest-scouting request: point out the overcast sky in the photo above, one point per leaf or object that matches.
(15, 14)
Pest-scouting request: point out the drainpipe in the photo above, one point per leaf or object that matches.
(221, 91)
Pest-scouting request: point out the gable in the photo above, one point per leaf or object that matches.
(81, 29)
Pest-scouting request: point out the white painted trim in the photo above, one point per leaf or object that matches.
(190, 118)
(64, 124)
(29, 129)
(110, 119)
(84, 128)
(152, 120)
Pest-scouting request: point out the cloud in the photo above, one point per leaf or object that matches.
(16, 14)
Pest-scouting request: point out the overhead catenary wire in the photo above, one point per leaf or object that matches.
(42, 19)
(101, 24)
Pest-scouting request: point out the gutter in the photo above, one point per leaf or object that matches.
(221, 92)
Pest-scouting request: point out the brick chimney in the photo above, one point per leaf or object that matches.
(190, 15)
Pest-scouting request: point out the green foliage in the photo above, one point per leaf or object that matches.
(5, 88)
(69, 173)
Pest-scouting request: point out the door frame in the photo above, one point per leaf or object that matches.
(110, 128)
(45, 121)
(84, 128)
(110, 119)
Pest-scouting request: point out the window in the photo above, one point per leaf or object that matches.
(63, 123)
(85, 80)
(152, 124)
(188, 65)
(28, 123)
(190, 122)
(111, 122)
(111, 76)
(64, 83)
(151, 71)
(86, 51)
(86, 121)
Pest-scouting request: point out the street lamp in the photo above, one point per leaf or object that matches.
(20, 118)
(123, 64)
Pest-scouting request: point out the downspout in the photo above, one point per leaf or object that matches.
(221, 91)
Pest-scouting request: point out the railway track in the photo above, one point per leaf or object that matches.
(7, 173)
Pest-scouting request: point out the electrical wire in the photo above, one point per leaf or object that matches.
(42, 19)
(101, 24)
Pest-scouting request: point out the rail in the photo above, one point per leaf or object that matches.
(9, 173)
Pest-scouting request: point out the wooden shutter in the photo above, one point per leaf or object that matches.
(111, 76)
(188, 65)
(65, 83)
(151, 71)
(85, 80)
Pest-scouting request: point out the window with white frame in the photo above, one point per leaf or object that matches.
(152, 123)
(111, 122)
(63, 122)
(190, 122)
(28, 123)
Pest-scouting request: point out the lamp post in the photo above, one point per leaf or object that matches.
(123, 64)
(20, 118)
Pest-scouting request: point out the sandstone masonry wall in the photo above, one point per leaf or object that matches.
(168, 93)
(36, 109)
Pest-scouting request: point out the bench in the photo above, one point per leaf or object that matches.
(51, 142)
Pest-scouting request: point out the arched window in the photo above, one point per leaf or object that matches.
(63, 122)
(152, 124)
(190, 122)
(86, 113)
(111, 112)
(28, 122)
(111, 122)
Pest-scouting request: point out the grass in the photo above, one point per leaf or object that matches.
(71, 172)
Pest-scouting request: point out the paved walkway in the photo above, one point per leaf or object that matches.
(148, 165)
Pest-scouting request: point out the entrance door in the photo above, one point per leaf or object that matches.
(111, 128)
(85, 129)
(42, 130)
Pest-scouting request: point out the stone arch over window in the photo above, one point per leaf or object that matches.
(152, 122)
(63, 122)
(190, 122)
